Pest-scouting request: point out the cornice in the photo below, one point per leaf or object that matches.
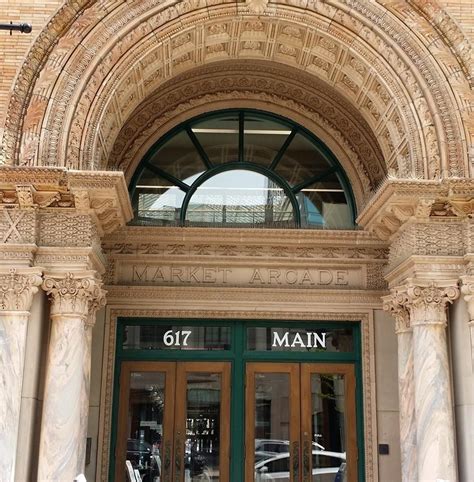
(102, 195)
(399, 201)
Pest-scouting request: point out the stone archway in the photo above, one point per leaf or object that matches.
(88, 90)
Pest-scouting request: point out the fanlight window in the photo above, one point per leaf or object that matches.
(241, 168)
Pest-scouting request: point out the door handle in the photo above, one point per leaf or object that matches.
(295, 460)
(307, 461)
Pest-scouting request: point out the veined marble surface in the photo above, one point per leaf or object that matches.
(433, 405)
(406, 391)
(13, 326)
(64, 422)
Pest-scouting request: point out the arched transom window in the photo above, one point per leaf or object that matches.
(241, 168)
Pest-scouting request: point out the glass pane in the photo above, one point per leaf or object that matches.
(145, 424)
(328, 427)
(156, 201)
(263, 138)
(169, 337)
(203, 396)
(219, 136)
(324, 204)
(308, 340)
(240, 198)
(272, 426)
(301, 161)
(179, 157)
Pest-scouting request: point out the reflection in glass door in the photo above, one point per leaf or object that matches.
(300, 423)
(173, 422)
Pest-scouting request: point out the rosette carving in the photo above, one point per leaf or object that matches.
(396, 304)
(17, 289)
(75, 293)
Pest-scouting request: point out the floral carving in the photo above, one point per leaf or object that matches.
(396, 305)
(78, 294)
(17, 289)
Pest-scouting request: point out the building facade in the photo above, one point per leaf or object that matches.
(237, 241)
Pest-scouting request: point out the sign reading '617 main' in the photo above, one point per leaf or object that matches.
(241, 275)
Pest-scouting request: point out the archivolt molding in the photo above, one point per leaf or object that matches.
(367, 54)
(258, 86)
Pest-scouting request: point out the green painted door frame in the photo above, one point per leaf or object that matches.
(238, 356)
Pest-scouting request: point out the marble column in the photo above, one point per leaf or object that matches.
(396, 305)
(17, 287)
(435, 434)
(74, 301)
(467, 290)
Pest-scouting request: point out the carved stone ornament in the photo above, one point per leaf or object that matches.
(77, 294)
(396, 305)
(257, 6)
(401, 200)
(427, 301)
(17, 288)
(101, 197)
(467, 289)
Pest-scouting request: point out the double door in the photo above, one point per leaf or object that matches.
(173, 422)
(300, 423)
(175, 425)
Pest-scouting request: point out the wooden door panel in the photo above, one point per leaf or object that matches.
(202, 434)
(150, 385)
(273, 413)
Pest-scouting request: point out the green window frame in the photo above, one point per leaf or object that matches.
(320, 178)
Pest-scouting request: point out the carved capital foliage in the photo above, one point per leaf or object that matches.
(77, 294)
(396, 305)
(427, 302)
(17, 288)
(467, 289)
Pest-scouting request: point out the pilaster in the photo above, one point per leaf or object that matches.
(467, 289)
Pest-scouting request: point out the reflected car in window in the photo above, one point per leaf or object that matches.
(278, 446)
(327, 466)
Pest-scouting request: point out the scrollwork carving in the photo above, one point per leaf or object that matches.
(17, 289)
(79, 294)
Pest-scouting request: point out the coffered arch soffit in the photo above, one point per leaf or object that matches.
(259, 85)
(86, 91)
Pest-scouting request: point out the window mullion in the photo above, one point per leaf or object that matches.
(282, 150)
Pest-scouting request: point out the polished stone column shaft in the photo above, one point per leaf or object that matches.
(396, 304)
(75, 298)
(16, 293)
(433, 401)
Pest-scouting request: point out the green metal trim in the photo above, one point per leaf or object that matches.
(283, 149)
(312, 180)
(202, 153)
(159, 172)
(246, 166)
(241, 136)
(238, 356)
(318, 144)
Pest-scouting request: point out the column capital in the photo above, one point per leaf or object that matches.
(78, 294)
(396, 305)
(427, 300)
(17, 287)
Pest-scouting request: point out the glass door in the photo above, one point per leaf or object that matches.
(173, 422)
(300, 423)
